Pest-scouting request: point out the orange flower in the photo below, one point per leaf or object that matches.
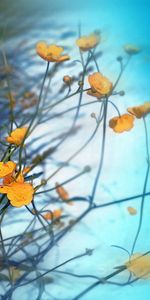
(132, 211)
(140, 111)
(62, 193)
(86, 43)
(53, 215)
(11, 177)
(16, 137)
(100, 83)
(18, 192)
(122, 123)
(51, 53)
(7, 168)
(139, 265)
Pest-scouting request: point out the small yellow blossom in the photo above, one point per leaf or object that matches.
(122, 123)
(18, 192)
(62, 193)
(16, 137)
(7, 168)
(132, 211)
(53, 215)
(51, 53)
(89, 42)
(140, 111)
(139, 265)
(100, 84)
(12, 177)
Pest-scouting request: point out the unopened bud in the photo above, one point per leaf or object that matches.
(67, 79)
(43, 182)
(93, 115)
(80, 83)
(121, 93)
(87, 169)
(119, 58)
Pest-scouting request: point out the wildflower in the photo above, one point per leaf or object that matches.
(53, 215)
(18, 192)
(51, 53)
(132, 211)
(139, 265)
(89, 42)
(7, 168)
(16, 137)
(11, 177)
(99, 83)
(62, 193)
(122, 123)
(140, 111)
(131, 49)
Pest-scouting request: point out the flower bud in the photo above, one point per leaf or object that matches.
(67, 79)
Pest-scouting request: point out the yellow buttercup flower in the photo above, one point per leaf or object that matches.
(18, 192)
(16, 137)
(12, 176)
(122, 123)
(53, 215)
(89, 42)
(140, 111)
(51, 53)
(7, 168)
(139, 265)
(62, 193)
(100, 84)
(132, 211)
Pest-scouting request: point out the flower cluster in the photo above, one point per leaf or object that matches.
(18, 191)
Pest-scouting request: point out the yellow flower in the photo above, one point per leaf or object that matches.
(7, 168)
(62, 193)
(51, 53)
(132, 211)
(53, 215)
(140, 111)
(89, 42)
(139, 265)
(11, 177)
(18, 192)
(100, 83)
(16, 137)
(122, 123)
(131, 49)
